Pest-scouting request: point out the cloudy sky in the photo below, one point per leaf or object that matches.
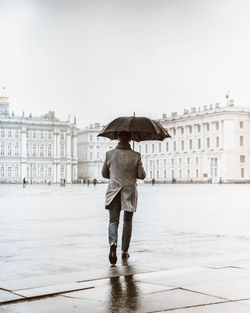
(102, 59)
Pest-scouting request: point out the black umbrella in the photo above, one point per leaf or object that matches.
(141, 129)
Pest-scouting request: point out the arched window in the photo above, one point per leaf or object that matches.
(9, 149)
(9, 171)
(34, 150)
(2, 148)
(42, 149)
(41, 171)
(49, 150)
(17, 148)
(16, 171)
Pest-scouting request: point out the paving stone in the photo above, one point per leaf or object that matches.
(50, 290)
(34, 282)
(199, 276)
(119, 287)
(8, 296)
(229, 307)
(234, 290)
(56, 305)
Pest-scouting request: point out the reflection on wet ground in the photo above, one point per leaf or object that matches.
(48, 230)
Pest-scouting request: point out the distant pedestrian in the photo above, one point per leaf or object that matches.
(94, 181)
(122, 167)
(88, 182)
(64, 182)
(24, 182)
(153, 181)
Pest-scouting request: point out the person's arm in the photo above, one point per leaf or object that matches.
(141, 174)
(105, 169)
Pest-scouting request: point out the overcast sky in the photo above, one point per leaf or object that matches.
(102, 59)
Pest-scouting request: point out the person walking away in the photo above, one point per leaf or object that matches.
(122, 166)
(24, 182)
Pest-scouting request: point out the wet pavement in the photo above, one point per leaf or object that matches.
(190, 248)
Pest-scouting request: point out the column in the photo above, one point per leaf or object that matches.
(23, 154)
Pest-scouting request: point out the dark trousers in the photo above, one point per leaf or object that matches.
(114, 216)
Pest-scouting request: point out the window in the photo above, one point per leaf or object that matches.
(197, 173)
(242, 172)
(208, 142)
(2, 171)
(9, 133)
(159, 147)
(241, 124)
(62, 136)
(33, 170)
(174, 131)
(165, 162)
(27, 135)
(2, 148)
(199, 143)
(179, 161)
(28, 171)
(217, 142)
(140, 148)
(2, 134)
(42, 150)
(34, 135)
(90, 137)
(217, 125)
(182, 130)
(197, 160)
(198, 128)
(242, 158)
(62, 150)
(190, 129)
(9, 149)
(208, 127)
(62, 171)
(98, 155)
(165, 174)
(174, 146)
(49, 172)
(188, 174)
(182, 145)
(16, 134)
(34, 150)
(180, 173)
(153, 148)
(146, 149)
(49, 150)
(91, 155)
(241, 141)
(28, 149)
(190, 144)
(17, 148)
(188, 161)
(41, 135)
(166, 146)
(172, 161)
(16, 171)
(42, 171)
(9, 171)
(157, 174)
(49, 136)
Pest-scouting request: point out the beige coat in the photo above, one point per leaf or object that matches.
(123, 167)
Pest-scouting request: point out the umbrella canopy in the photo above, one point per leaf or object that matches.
(141, 129)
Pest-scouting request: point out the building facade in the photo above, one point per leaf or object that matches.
(207, 145)
(91, 152)
(211, 144)
(41, 149)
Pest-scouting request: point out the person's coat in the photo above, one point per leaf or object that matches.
(122, 167)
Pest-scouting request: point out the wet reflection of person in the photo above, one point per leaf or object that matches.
(123, 296)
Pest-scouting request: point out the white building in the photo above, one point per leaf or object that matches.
(41, 149)
(209, 144)
(91, 152)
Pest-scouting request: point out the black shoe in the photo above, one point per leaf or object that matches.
(112, 254)
(125, 254)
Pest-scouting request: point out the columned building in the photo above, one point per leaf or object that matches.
(41, 149)
(91, 152)
(207, 145)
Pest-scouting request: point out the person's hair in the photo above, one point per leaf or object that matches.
(124, 136)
